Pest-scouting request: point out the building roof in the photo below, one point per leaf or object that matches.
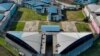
(1, 16)
(33, 39)
(39, 4)
(5, 6)
(50, 28)
(93, 7)
(30, 2)
(98, 20)
(52, 9)
(46, 1)
(67, 39)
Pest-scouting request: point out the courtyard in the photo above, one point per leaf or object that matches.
(26, 14)
(75, 15)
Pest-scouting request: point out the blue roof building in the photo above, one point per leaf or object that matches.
(46, 1)
(52, 9)
(5, 6)
(50, 28)
(10, 8)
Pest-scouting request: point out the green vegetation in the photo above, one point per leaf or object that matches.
(75, 15)
(82, 27)
(94, 50)
(28, 15)
(8, 48)
(17, 26)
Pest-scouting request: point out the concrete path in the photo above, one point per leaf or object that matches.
(31, 26)
(69, 26)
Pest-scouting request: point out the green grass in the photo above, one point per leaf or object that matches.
(8, 47)
(17, 26)
(28, 15)
(94, 50)
(75, 15)
(83, 27)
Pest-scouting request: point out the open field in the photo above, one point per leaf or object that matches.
(83, 27)
(29, 15)
(75, 15)
(17, 26)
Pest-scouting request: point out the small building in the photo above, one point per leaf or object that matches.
(50, 28)
(18, 2)
(54, 13)
(46, 1)
(79, 1)
(35, 5)
(92, 11)
(6, 11)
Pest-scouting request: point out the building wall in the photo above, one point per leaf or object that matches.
(81, 48)
(92, 20)
(86, 11)
(95, 26)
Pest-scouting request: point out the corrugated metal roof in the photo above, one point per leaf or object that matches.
(66, 39)
(46, 1)
(93, 7)
(33, 39)
(52, 9)
(5, 6)
(50, 28)
(30, 2)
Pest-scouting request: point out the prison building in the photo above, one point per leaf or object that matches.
(53, 14)
(49, 44)
(28, 43)
(46, 1)
(35, 5)
(6, 12)
(72, 43)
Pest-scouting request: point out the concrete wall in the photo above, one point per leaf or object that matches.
(92, 20)
(81, 48)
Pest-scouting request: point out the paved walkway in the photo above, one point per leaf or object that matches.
(31, 26)
(69, 26)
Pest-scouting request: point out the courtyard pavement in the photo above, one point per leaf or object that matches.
(69, 26)
(31, 26)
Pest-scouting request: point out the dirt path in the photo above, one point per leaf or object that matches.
(31, 26)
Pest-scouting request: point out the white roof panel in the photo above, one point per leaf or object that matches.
(66, 39)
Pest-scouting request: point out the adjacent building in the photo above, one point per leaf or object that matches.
(92, 11)
(6, 12)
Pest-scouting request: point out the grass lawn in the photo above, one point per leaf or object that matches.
(7, 48)
(83, 27)
(17, 26)
(94, 50)
(75, 15)
(28, 15)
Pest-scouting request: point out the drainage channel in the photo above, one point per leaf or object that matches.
(49, 45)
